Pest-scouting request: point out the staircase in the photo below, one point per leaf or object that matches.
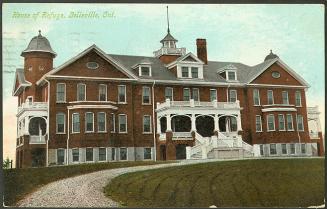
(227, 145)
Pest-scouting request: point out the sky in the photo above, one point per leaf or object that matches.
(238, 33)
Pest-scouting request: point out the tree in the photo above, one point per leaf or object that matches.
(6, 163)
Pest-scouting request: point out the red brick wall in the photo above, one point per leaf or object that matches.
(168, 58)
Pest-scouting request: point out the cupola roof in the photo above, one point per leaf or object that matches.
(39, 43)
(271, 56)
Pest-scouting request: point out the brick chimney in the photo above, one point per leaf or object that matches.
(201, 46)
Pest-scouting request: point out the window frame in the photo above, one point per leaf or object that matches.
(198, 92)
(282, 149)
(215, 90)
(106, 92)
(197, 72)
(57, 101)
(113, 154)
(288, 121)
(86, 131)
(75, 161)
(272, 97)
(122, 102)
(305, 148)
(288, 101)
(119, 131)
(229, 95)
(57, 132)
(272, 149)
(273, 117)
(261, 148)
(172, 93)
(61, 149)
(86, 154)
(150, 126)
(143, 91)
(292, 144)
(254, 98)
(283, 116)
(77, 92)
(297, 123)
(298, 96)
(188, 73)
(105, 122)
(256, 117)
(104, 154)
(144, 153)
(120, 148)
(144, 66)
(189, 94)
(79, 121)
(227, 75)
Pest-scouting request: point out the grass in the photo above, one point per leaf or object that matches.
(20, 182)
(245, 183)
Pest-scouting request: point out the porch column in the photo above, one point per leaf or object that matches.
(227, 125)
(168, 122)
(193, 127)
(27, 121)
(239, 125)
(158, 125)
(216, 123)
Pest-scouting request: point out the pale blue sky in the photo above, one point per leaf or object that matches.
(240, 33)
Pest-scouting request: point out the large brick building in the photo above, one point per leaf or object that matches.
(173, 105)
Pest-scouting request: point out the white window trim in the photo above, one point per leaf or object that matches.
(297, 123)
(140, 70)
(114, 123)
(150, 132)
(190, 71)
(106, 88)
(189, 93)
(272, 96)
(296, 93)
(73, 132)
(76, 148)
(86, 123)
(268, 122)
(281, 149)
(122, 132)
(77, 99)
(105, 155)
(92, 154)
(105, 122)
(143, 153)
(229, 92)
(57, 155)
(192, 96)
(64, 101)
(256, 124)
(172, 93)
(146, 87)
(292, 122)
(126, 153)
(294, 149)
(288, 101)
(119, 102)
(64, 123)
(258, 98)
(215, 94)
(270, 148)
(227, 76)
(279, 123)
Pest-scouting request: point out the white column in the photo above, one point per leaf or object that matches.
(239, 125)
(27, 122)
(158, 125)
(227, 125)
(188, 152)
(192, 102)
(216, 123)
(168, 122)
(204, 152)
(193, 123)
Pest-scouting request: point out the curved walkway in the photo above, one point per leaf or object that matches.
(85, 190)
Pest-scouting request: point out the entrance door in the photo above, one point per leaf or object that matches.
(180, 151)
(38, 157)
(163, 152)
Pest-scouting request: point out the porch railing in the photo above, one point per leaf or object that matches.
(192, 103)
(182, 135)
(162, 136)
(313, 135)
(33, 105)
(37, 139)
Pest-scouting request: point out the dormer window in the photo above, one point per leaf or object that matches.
(231, 75)
(144, 68)
(195, 72)
(185, 72)
(145, 71)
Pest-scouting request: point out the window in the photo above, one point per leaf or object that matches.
(75, 155)
(275, 74)
(292, 148)
(61, 92)
(112, 122)
(270, 96)
(289, 119)
(273, 150)
(271, 122)
(232, 96)
(146, 95)
(101, 122)
(30, 100)
(123, 153)
(195, 72)
(76, 123)
(256, 97)
(281, 122)
(113, 153)
(89, 122)
(284, 150)
(60, 120)
(102, 92)
(233, 124)
(81, 88)
(147, 153)
(258, 125)
(60, 156)
(298, 101)
(213, 95)
(145, 71)
(303, 148)
(102, 154)
(231, 75)
(285, 97)
(122, 123)
(185, 72)
(146, 124)
(89, 154)
(195, 94)
(169, 93)
(121, 94)
(186, 94)
(261, 149)
(300, 126)
(92, 65)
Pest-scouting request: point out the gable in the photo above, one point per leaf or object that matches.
(189, 59)
(285, 77)
(79, 67)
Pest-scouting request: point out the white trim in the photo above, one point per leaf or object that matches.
(144, 87)
(256, 124)
(86, 131)
(144, 65)
(79, 118)
(114, 123)
(172, 92)
(291, 121)
(272, 96)
(215, 94)
(284, 129)
(119, 102)
(258, 97)
(92, 154)
(106, 88)
(273, 116)
(180, 59)
(75, 102)
(92, 106)
(83, 78)
(77, 92)
(105, 154)
(122, 132)
(149, 132)
(275, 86)
(105, 122)
(227, 76)
(126, 153)
(64, 93)
(279, 109)
(57, 123)
(288, 101)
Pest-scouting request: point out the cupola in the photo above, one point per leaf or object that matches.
(39, 43)
(271, 56)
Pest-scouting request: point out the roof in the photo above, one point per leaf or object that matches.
(20, 77)
(39, 43)
(271, 56)
(168, 37)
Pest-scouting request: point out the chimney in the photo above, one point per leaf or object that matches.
(201, 46)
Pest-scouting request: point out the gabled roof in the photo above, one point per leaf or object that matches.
(20, 78)
(180, 59)
(168, 37)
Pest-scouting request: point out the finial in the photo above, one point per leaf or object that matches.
(168, 30)
(39, 32)
(270, 51)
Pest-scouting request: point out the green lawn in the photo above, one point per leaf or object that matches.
(19, 182)
(245, 183)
